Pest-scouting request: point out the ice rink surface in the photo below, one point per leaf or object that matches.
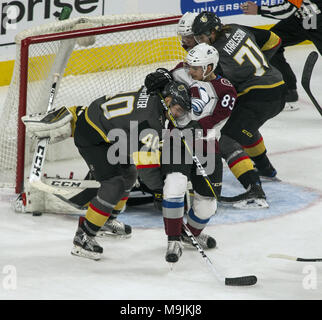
(35, 259)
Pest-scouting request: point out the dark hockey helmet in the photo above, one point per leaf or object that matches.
(179, 93)
(205, 23)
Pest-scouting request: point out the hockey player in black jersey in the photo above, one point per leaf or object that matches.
(300, 20)
(113, 135)
(244, 54)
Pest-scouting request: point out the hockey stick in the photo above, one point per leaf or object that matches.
(236, 281)
(286, 257)
(194, 157)
(306, 78)
(41, 148)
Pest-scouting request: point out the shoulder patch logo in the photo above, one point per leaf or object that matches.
(204, 19)
(226, 82)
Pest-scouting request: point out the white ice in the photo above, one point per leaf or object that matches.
(38, 248)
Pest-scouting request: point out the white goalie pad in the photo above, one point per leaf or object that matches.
(55, 124)
(33, 200)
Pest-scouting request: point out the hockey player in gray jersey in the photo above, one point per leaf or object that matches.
(244, 54)
(299, 20)
(113, 135)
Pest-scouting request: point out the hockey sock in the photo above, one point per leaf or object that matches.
(173, 210)
(120, 205)
(248, 178)
(94, 219)
(195, 224)
(257, 148)
(173, 238)
(262, 161)
(89, 228)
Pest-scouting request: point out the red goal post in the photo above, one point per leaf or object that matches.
(105, 59)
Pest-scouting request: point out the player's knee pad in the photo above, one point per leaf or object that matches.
(130, 175)
(204, 207)
(175, 185)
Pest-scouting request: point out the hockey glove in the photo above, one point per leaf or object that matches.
(55, 124)
(156, 81)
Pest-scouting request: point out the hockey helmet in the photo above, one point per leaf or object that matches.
(205, 23)
(179, 93)
(185, 24)
(202, 55)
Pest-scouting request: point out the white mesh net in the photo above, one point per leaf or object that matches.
(99, 64)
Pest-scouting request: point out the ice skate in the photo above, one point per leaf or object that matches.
(253, 198)
(85, 246)
(268, 174)
(114, 228)
(205, 241)
(174, 251)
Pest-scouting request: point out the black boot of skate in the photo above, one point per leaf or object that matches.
(86, 246)
(253, 198)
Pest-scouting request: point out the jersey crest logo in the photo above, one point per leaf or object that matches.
(226, 82)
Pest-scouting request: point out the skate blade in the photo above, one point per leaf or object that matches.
(80, 252)
(251, 204)
(107, 234)
(269, 179)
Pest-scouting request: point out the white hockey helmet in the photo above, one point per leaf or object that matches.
(201, 56)
(185, 24)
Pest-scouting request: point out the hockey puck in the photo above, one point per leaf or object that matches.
(36, 214)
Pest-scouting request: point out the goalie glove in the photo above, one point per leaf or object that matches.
(156, 81)
(55, 125)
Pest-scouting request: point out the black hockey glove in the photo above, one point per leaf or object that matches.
(156, 81)
(157, 199)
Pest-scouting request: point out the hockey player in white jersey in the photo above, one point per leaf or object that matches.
(212, 103)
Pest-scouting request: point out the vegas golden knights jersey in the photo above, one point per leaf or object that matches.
(243, 61)
(135, 116)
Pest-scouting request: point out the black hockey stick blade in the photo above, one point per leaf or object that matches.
(309, 259)
(241, 281)
(306, 78)
(293, 258)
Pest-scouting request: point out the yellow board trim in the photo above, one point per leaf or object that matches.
(6, 71)
(112, 54)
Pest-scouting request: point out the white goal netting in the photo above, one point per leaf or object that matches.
(102, 63)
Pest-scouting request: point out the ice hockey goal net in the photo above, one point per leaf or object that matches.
(95, 57)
